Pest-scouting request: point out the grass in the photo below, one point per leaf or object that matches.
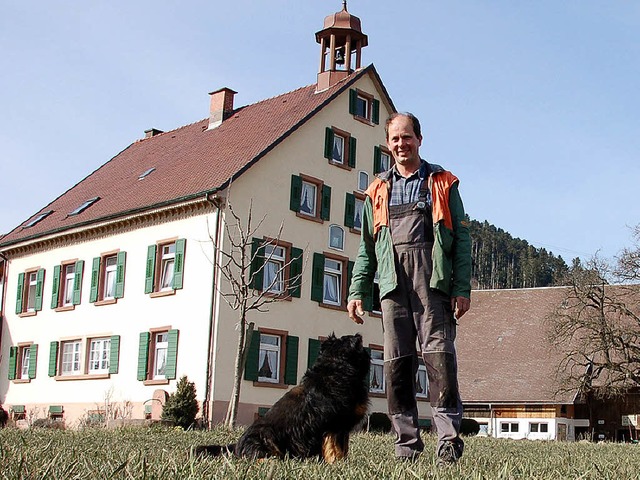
(140, 453)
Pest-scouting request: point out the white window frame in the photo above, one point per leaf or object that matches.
(363, 181)
(358, 208)
(377, 365)
(25, 360)
(538, 427)
(275, 259)
(100, 348)
(270, 351)
(332, 274)
(71, 362)
(385, 161)
(69, 278)
(110, 274)
(160, 353)
(339, 143)
(336, 237)
(309, 191)
(32, 283)
(167, 266)
(366, 101)
(511, 427)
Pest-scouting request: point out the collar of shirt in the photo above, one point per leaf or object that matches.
(406, 190)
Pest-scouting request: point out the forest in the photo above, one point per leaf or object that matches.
(501, 261)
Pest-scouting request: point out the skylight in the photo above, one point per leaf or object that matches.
(146, 173)
(84, 206)
(40, 217)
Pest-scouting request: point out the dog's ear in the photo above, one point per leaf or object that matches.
(356, 341)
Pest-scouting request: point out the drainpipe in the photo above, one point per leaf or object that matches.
(3, 300)
(207, 415)
(491, 429)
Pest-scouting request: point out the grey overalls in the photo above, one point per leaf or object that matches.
(413, 309)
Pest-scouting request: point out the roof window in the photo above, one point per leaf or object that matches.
(146, 173)
(40, 217)
(86, 204)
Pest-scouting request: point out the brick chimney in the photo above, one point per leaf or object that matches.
(221, 106)
(152, 132)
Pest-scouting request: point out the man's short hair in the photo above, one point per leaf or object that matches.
(416, 123)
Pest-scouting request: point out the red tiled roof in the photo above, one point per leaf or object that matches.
(503, 351)
(189, 161)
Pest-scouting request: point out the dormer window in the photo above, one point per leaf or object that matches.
(86, 204)
(39, 218)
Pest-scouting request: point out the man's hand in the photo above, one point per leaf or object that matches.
(460, 306)
(354, 307)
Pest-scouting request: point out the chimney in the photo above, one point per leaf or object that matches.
(152, 132)
(221, 106)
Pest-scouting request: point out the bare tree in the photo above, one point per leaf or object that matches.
(241, 264)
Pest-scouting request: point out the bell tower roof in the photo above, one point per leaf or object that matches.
(343, 20)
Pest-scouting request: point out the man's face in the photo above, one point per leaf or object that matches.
(403, 143)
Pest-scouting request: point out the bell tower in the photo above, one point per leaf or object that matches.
(341, 42)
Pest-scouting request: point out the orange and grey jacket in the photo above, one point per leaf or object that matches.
(451, 253)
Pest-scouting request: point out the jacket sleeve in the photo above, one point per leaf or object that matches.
(461, 281)
(365, 265)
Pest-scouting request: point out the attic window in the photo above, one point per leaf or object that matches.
(146, 173)
(84, 206)
(40, 217)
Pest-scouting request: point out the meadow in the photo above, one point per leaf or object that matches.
(162, 453)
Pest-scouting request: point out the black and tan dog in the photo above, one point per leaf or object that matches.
(316, 417)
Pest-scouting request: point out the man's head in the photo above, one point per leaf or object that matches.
(404, 139)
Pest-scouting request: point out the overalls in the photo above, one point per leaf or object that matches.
(415, 310)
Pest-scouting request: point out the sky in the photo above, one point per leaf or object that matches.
(535, 106)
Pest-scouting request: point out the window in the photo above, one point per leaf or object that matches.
(376, 374)
(146, 173)
(272, 358)
(276, 267)
(330, 279)
(353, 207)
(158, 355)
(538, 427)
(38, 219)
(363, 181)
(381, 160)
(364, 107)
(310, 198)
(86, 204)
(85, 357)
(340, 147)
(29, 294)
(509, 427)
(107, 277)
(422, 382)
(67, 284)
(22, 362)
(336, 237)
(165, 266)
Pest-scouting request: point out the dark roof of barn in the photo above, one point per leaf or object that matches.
(504, 355)
(189, 162)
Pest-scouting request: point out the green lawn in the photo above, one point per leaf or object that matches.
(142, 453)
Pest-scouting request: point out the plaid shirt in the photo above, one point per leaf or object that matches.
(407, 190)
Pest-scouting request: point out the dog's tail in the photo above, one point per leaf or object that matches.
(214, 450)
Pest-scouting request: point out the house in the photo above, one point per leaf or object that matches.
(112, 291)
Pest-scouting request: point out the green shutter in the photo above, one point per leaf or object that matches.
(314, 351)
(328, 143)
(77, 281)
(33, 360)
(352, 152)
(143, 355)
(375, 114)
(256, 270)
(178, 269)
(349, 275)
(349, 210)
(151, 268)
(291, 360)
(317, 277)
(39, 289)
(377, 160)
(353, 100)
(13, 361)
(121, 261)
(296, 193)
(55, 286)
(295, 272)
(95, 279)
(253, 355)
(172, 355)
(19, 293)
(326, 202)
(114, 354)
(53, 359)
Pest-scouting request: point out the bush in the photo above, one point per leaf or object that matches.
(181, 407)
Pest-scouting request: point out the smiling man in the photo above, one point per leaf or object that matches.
(415, 235)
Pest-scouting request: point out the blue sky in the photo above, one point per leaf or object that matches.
(534, 105)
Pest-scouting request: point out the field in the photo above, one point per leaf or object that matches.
(141, 453)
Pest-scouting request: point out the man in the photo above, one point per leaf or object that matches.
(415, 235)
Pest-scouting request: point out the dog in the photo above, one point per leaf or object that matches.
(315, 418)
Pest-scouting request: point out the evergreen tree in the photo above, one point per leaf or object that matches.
(181, 407)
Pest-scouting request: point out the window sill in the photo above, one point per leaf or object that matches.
(333, 307)
(309, 217)
(375, 314)
(341, 165)
(357, 231)
(65, 308)
(377, 394)
(109, 301)
(162, 381)
(22, 380)
(86, 376)
(164, 293)
(27, 314)
(281, 386)
(364, 120)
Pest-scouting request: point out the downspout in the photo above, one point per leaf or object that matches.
(491, 429)
(3, 300)
(207, 411)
